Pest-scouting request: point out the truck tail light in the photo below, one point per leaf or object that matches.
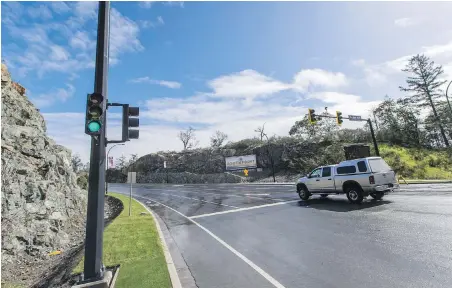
(371, 180)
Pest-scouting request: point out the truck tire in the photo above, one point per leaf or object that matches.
(354, 194)
(303, 192)
(377, 196)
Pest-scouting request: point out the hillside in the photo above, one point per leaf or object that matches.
(43, 208)
(290, 156)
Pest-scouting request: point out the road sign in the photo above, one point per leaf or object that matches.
(354, 118)
(110, 161)
(132, 177)
(245, 172)
(164, 164)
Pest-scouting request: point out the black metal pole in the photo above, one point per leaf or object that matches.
(106, 183)
(93, 268)
(377, 152)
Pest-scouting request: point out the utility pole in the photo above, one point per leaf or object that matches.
(93, 267)
(377, 152)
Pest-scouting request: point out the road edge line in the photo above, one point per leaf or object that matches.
(226, 245)
(174, 276)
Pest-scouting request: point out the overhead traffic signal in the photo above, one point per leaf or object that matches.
(130, 119)
(311, 116)
(94, 114)
(339, 118)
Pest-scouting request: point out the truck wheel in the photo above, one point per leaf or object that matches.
(323, 196)
(377, 196)
(303, 193)
(354, 194)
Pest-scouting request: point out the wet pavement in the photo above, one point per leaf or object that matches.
(236, 235)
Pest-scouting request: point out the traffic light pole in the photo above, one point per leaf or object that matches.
(377, 152)
(93, 267)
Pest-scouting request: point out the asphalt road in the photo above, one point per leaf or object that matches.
(233, 235)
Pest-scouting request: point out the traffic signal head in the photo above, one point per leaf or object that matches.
(311, 116)
(339, 118)
(130, 119)
(94, 114)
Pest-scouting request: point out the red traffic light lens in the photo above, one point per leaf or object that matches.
(95, 99)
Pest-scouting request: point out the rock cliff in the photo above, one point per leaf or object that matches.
(43, 208)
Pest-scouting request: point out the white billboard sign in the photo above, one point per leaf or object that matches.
(241, 162)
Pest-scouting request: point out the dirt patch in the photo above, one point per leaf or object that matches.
(58, 272)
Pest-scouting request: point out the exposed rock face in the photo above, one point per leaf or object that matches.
(43, 208)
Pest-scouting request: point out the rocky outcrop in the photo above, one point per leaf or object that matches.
(43, 208)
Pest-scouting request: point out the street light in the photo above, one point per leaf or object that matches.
(106, 176)
(447, 98)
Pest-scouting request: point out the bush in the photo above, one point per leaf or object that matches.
(82, 181)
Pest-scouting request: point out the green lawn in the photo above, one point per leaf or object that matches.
(134, 243)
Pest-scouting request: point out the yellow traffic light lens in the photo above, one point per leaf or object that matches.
(95, 112)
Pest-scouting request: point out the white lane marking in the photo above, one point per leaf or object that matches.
(242, 209)
(198, 200)
(237, 253)
(221, 194)
(262, 194)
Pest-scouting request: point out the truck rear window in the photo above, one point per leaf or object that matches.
(378, 165)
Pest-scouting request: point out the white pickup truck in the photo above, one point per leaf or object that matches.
(357, 178)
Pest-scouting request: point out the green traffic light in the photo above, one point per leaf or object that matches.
(94, 126)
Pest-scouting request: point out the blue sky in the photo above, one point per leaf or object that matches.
(228, 66)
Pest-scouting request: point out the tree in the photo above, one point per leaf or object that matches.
(324, 129)
(217, 140)
(397, 122)
(188, 138)
(424, 85)
(121, 162)
(262, 134)
(76, 162)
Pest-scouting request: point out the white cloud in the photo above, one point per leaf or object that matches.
(169, 84)
(124, 35)
(60, 7)
(81, 41)
(174, 3)
(57, 95)
(311, 78)
(152, 24)
(59, 53)
(246, 84)
(146, 4)
(41, 12)
(405, 22)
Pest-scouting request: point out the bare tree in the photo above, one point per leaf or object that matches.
(76, 162)
(218, 139)
(262, 135)
(188, 138)
(261, 132)
(424, 86)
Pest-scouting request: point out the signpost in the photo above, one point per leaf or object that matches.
(240, 162)
(131, 178)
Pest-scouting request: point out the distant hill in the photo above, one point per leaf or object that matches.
(291, 158)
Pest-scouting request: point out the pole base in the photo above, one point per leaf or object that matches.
(107, 281)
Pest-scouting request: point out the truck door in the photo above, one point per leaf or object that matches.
(326, 183)
(313, 181)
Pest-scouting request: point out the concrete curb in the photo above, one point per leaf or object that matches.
(175, 281)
